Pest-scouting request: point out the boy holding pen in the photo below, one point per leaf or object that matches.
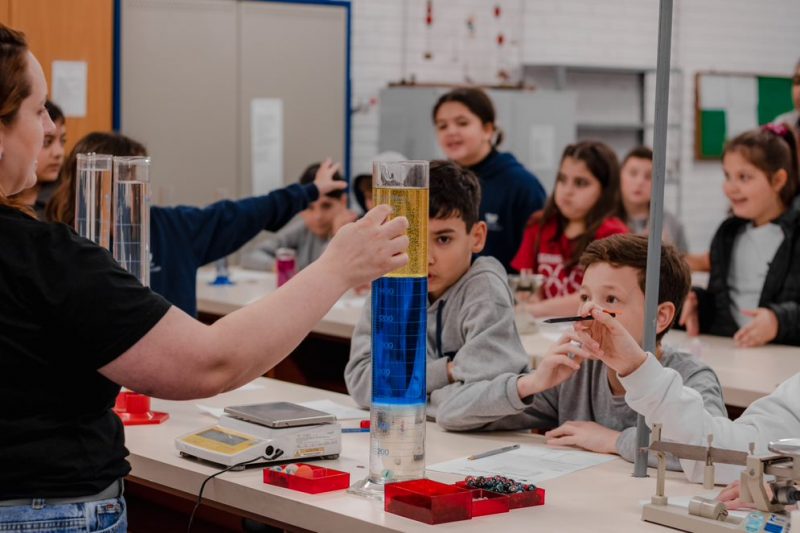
(661, 395)
(474, 353)
(572, 395)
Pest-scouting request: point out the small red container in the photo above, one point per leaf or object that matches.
(428, 501)
(517, 500)
(324, 480)
(530, 498)
(486, 502)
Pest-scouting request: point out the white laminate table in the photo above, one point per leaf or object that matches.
(601, 499)
(250, 285)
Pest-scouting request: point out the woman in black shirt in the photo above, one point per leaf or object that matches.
(74, 326)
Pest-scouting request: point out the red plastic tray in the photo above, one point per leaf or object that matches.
(428, 501)
(530, 498)
(324, 480)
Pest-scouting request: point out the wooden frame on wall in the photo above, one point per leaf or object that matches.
(728, 103)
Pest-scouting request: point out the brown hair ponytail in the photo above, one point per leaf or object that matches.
(15, 87)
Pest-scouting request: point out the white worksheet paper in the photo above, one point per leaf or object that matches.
(531, 464)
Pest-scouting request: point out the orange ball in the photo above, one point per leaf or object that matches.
(305, 471)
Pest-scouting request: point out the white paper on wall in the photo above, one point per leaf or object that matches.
(542, 141)
(69, 87)
(266, 144)
(742, 104)
(740, 120)
(743, 91)
(713, 92)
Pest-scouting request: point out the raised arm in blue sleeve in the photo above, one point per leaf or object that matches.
(183, 238)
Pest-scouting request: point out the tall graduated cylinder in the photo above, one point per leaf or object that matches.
(131, 227)
(399, 325)
(93, 198)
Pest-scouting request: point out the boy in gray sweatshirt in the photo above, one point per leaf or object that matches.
(572, 395)
(474, 352)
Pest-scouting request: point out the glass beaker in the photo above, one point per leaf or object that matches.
(93, 198)
(131, 227)
(399, 327)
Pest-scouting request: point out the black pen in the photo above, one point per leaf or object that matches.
(576, 318)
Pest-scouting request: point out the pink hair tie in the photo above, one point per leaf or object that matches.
(778, 129)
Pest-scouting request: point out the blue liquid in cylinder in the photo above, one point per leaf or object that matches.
(399, 394)
(399, 340)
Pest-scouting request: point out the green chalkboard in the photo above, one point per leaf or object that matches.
(774, 98)
(713, 134)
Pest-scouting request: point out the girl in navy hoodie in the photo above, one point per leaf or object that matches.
(467, 133)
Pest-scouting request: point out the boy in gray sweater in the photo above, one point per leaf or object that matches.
(310, 231)
(572, 395)
(474, 352)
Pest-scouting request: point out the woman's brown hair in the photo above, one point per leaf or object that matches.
(15, 87)
(602, 162)
(61, 207)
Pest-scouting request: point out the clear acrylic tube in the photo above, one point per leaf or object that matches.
(399, 330)
(93, 198)
(131, 215)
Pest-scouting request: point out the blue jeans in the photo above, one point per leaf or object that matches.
(103, 516)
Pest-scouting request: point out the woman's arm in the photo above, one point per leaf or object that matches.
(181, 358)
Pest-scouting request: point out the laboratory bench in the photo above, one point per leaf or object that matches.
(604, 498)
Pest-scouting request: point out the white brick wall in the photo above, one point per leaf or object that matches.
(757, 37)
(389, 40)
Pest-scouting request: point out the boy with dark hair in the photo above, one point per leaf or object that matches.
(474, 351)
(573, 396)
(308, 233)
(666, 397)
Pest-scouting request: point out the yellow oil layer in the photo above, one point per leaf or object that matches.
(412, 204)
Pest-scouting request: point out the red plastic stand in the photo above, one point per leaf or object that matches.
(134, 409)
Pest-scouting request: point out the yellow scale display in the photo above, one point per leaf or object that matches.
(278, 431)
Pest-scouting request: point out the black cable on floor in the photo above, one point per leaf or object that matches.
(212, 476)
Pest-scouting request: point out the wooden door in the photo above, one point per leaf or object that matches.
(72, 30)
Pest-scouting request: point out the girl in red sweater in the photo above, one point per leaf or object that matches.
(577, 213)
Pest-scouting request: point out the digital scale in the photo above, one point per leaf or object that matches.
(277, 431)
